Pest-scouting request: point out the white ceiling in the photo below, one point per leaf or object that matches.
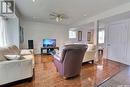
(123, 16)
(74, 9)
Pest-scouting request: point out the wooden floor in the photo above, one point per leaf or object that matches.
(91, 74)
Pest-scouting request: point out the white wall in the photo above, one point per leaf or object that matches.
(128, 45)
(84, 36)
(37, 31)
(84, 29)
(13, 31)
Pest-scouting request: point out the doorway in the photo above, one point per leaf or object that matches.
(117, 41)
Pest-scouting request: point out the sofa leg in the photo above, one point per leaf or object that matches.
(17, 82)
(92, 61)
(65, 78)
(30, 79)
(56, 69)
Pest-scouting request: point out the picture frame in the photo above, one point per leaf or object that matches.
(79, 35)
(21, 34)
(89, 36)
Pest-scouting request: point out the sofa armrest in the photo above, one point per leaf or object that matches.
(30, 57)
(14, 70)
(90, 54)
(56, 57)
(14, 62)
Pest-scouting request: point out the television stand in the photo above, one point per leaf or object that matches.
(48, 49)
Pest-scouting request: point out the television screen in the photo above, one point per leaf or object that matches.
(49, 42)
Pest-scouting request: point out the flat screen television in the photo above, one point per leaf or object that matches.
(49, 42)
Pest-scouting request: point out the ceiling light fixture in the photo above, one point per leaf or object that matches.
(59, 18)
(34, 0)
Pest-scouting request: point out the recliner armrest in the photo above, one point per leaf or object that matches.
(57, 57)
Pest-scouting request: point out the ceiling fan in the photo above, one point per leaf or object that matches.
(58, 17)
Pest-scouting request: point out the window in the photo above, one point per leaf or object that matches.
(101, 36)
(3, 36)
(72, 34)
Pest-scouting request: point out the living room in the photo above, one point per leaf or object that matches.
(64, 43)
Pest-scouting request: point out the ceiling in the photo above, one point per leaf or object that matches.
(76, 10)
(122, 16)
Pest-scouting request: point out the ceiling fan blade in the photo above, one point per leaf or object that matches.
(58, 17)
(65, 17)
(53, 15)
(52, 18)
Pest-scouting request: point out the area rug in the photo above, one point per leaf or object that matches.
(122, 79)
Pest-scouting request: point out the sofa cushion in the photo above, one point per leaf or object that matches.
(9, 50)
(91, 47)
(25, 52)
(12, 57)
(13, 50)
(2, 58)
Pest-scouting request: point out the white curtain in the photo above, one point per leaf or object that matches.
(3, 32)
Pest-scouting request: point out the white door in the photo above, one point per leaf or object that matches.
(117, 42)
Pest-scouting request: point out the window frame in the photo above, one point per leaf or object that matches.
(72, 34)
(101, 36)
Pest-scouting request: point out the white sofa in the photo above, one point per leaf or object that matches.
(90, 53)
(14, 70)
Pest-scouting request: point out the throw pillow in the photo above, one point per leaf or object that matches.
(12, 57)
(2, 58)
(25, 52)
